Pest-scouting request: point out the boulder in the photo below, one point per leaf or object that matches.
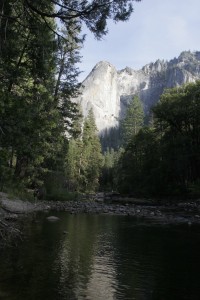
(52, 218)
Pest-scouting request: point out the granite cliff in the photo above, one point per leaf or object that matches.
(108, 91)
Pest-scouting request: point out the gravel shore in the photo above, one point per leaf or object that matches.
(14, 211)
(184, 212)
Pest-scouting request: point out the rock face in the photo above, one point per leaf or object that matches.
(108, 91)
(100, 92)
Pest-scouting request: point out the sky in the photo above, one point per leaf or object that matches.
(157, 29)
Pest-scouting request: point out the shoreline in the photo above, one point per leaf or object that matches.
(13, 211)
(182, 212)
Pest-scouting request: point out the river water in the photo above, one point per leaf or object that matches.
(101, 257)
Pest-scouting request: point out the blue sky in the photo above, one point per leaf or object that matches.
(156, 30)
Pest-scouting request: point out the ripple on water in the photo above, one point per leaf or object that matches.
(102, 258)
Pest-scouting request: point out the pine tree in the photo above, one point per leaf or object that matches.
(37, 79)
(29, 118)
(133, 120)
(73, 159)
(107, 176)
(91, 155)
(93, 14)
(66, 85)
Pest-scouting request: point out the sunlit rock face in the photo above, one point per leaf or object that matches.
(100, 92)
(108, 91)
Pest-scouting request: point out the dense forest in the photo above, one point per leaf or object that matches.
(44, 141)
(39, 52)
(163, 158)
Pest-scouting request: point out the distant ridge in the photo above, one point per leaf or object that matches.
(108, 91)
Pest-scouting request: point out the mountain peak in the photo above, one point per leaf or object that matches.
(103, 64)
(108, 91)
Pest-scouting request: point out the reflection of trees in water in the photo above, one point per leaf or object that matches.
(102, 257)
(26, 270)
(102, 283)
(85, 259)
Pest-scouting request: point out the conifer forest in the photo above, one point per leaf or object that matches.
(44, 140)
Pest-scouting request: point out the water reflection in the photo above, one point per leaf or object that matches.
(102, 258)
(85, 261)
(102, 283)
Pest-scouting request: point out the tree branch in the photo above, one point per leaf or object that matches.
(63, 15)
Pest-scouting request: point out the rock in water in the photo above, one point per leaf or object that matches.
(52, 218)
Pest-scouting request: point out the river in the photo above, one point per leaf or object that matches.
(102, 257)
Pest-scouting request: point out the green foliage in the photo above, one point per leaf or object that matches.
(177, 121)
(91, 155)
(73, 165)
(133, 121)
(5, 171)
(38, 77)
(56, 189)
(108, 175)
(93, 14)
(165, 160)
(138, 164)
(110, 138)
(35, 110)
(84, 159)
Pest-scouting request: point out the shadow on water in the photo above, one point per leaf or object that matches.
(102, 257)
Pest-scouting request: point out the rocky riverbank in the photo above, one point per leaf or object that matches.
(188, 213)
(182, 212)
(12, 211)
